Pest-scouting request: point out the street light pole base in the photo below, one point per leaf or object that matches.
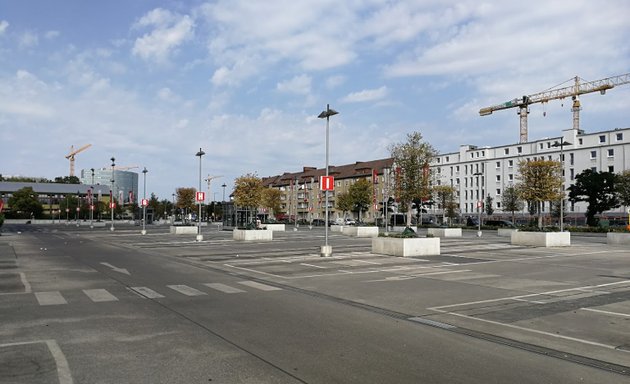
(479, 233)
(326, 251)
(144, 232)
(111, 229)
(199, 237)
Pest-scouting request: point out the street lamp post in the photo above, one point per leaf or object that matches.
(386, 171)
(223, 192)
(327, 249)
(111, 195)
(173, 211)
(144, 206)
(199, 236)
(91, 202)
(561, 144)
(479, 203)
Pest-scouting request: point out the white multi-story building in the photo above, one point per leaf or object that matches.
(125, 183)
(478, 172)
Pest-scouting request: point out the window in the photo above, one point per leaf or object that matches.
(593, 154)
(611, 168)
(611, 152)
(457, 181)
(457, 169)
(519, 149)
(511, 177)
(548, 144)
(483, 153)
(498, 164)
(572, 158)
(438, 160)
(619, 136)
(510, 163)
(506, 151)
(499, 204)
(602, 138)
(580, 141)
(572, 171)
(447, 159)
(498, 191)
(498, 177)
(541, 145)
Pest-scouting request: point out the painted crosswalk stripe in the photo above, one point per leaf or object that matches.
(50, 298)
(223, 288)
(99, 295)
(186, 290)
(262, 287)
(147, 292)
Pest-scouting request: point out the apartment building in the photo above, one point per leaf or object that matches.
(475, 172)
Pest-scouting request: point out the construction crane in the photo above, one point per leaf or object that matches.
(72, 153)
(209, 180)
(574, 91)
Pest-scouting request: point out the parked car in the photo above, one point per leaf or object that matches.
(349, 222)
(500, 223)
(318, 222)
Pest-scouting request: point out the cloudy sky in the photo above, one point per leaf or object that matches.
(150, 82)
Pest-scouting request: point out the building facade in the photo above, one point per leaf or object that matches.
(125, 183)
(474, 172)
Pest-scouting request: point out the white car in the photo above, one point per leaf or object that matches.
(349, 222)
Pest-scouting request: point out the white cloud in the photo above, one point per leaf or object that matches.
(51, 35)
(366, 95)
(169, 32)
(28, 39)
(300, 85)
(334, 81)
(4, 25)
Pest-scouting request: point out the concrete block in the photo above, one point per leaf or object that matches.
(541, 239)
(252, 234)
(360, 231)
(183, 230)
(419, 246)
(275, 227)
(505, 232)
(617, 238)
(336, 228)
(445, 232)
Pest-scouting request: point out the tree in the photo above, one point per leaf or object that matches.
(539, 181)
(25, 204)
(511, 202)
(445, 195)
(413, 175)
(186, 199)
(67, 180)
(271, 200)
(248, 192)
(598, 190)
(622, 186)
(343, 202)
(361, 195)
(488, 207)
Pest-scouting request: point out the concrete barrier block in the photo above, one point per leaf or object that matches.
(541, 239)
(419, 246)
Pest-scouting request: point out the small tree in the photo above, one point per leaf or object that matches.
(413, 174)
(343, 202)
(361, 195)
(622, 186)
(539, 181)
(488, 207)
(271, 200)
(186, 199)
(596, 188)
(511, 202)
(248, 193)
(25, 204)
(445, 195)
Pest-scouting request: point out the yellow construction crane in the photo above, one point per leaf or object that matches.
(574, 91)
(72, 153)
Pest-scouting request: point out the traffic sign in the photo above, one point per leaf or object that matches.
(200, 196)
(327, 183)
(112, 205)
(145, 202)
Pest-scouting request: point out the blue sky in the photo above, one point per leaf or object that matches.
(150, 82)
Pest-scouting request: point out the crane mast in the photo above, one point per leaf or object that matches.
(574, 91)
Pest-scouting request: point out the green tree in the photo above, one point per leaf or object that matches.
(622, 186)
(598, 190)
(539, 181)
(24, 203)
(343, 202)
(248, 192)
(67, 180)
(360, 195)
(445, 196)
(185, 199)
(488, 206)
(271, 200)
(511, 202)
(413, 174)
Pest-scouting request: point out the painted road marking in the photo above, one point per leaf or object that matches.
(147, 292)
(606, 312)
(63, 369)
(186, 290)
(50, 298)
(313, 265)
(99, 295)
(223, 288)
(262, 287)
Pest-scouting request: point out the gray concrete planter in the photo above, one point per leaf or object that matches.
(275, 227)
(505, 232)
(360, 231)
(418, 246)
(336, 228)
(541, 239)
(252, 234)
(445, 232)
(183, 230)
(617, 238)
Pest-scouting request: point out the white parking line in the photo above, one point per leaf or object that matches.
(313, 265)
(63, 369)
(606, 312)
(262, 287)
(27, 285)
(147, 293)
(99, 295)
(186, 290)
(223, 288)
(50, 298)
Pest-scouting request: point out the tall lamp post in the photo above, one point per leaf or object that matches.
(386, 171)
(479, 202)
(111, 195)
(326, 249)
(561, 144)
(173, 211)
(199, 236)
(144, 201)
(91, 202)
